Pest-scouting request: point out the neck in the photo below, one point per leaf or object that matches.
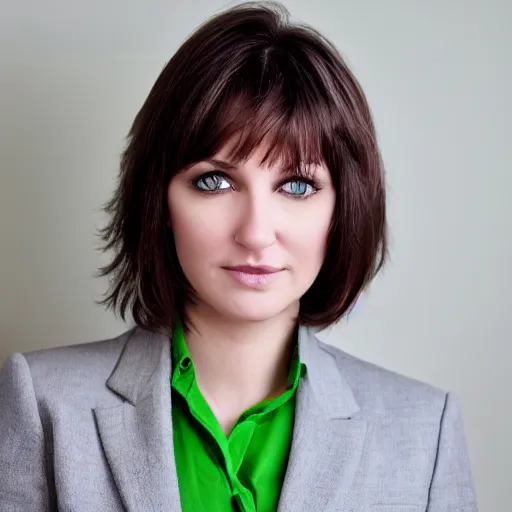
(239, 364)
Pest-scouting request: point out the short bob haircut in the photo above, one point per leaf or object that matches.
(247, 74)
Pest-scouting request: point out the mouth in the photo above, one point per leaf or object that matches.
(250, 269)
(254, 276)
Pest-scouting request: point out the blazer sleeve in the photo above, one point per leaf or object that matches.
(452, 488)
(23, 481)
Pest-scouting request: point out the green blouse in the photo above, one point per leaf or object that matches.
(243, 472)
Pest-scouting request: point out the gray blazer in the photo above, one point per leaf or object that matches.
(87, 428)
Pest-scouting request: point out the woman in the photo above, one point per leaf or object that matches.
(250, 209)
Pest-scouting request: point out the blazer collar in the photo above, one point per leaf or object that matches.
(331, 391)
(142, 356)
(145, 351)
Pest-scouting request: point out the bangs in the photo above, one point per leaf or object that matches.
(267, 105)
(291, 141)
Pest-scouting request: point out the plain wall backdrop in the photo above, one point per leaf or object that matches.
(438, 78)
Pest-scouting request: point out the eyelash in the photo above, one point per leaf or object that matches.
(312, 183)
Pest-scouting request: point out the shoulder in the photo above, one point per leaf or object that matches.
(382, 392)
(71, 372)
(80, 358)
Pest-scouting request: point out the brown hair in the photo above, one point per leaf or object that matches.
(247, 72)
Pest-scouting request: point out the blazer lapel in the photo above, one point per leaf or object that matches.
(137, 435)
(327, 442)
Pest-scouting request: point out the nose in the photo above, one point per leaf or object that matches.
(256, 227)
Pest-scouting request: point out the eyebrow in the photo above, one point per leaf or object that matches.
(221, 163)
(228, 166)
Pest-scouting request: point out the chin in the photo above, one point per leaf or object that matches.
(248, 312)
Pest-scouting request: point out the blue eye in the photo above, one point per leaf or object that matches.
(299, 188)
(215, 181)
(211, 183)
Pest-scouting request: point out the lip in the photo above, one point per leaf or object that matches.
(255, 269)
(254, 276)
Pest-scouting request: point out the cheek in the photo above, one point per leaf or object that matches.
(196, 230)
(193, 238)
(308, 238)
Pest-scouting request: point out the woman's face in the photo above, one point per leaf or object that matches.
(249, 240)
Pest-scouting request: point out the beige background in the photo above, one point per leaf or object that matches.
(438, 77)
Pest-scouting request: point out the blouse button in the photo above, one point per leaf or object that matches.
(186, 364)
